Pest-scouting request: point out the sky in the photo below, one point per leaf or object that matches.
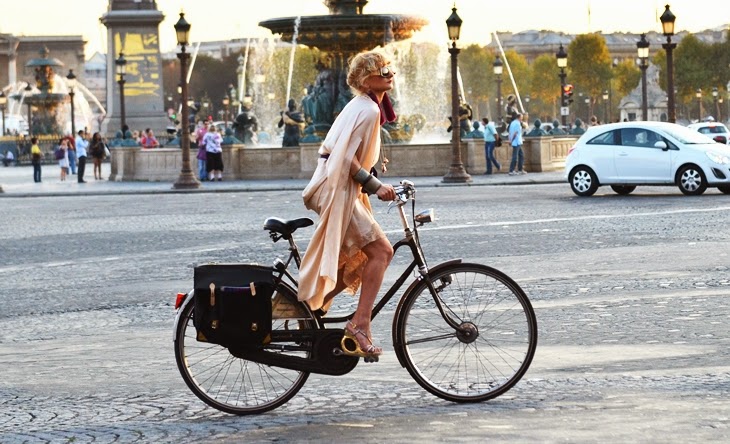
(228, 19)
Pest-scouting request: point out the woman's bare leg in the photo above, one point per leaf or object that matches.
(379, 254)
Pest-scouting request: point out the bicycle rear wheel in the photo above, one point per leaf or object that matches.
(470, 367)
(235, 385)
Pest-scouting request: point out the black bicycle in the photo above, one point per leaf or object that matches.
(465, 332)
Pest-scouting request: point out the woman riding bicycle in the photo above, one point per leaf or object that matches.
(348, 248)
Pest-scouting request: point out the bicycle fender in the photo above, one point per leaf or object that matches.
(188, 299)
(397, 346)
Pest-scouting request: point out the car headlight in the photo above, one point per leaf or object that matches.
(722, 159)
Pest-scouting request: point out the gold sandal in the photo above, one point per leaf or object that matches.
(351, 346)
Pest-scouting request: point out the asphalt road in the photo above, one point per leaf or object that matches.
(631, 294)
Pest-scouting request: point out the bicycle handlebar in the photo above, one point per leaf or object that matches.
(403, 192)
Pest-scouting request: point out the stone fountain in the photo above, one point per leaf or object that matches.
(48, 116)
(341, 34)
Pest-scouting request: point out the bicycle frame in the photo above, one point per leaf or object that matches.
(411, 241)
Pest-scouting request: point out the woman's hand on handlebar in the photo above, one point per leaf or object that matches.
(386, 192)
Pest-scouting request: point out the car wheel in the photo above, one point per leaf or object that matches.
(724, 188)
(691, 180)
(623, 189)
(583, 181)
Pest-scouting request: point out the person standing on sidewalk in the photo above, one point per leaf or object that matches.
(214, 154)
(199, 135)
(96, 148)
(71, 151)
(490, 139)
(63, 158)
(515, 141)
(81, 145)
(36, 156)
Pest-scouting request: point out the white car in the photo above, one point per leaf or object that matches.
(627, 154)
(714, 130)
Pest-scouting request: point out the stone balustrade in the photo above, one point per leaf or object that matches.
(545, 153)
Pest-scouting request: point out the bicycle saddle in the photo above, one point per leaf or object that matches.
(286, 227)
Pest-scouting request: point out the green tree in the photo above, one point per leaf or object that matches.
(522, 74)
(691, 67)
(545, 88)
(626, 77)
(589, 65)
(475, 65)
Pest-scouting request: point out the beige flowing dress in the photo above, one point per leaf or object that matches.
(346, 222)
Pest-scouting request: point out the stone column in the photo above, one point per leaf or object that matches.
(132, 28)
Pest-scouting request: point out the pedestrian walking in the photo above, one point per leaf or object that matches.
(81, 146)
(490, 141)
(348, 247)
(202, 158)
(62, 156)
(9, 158)
(96, 148)
(36, 156)
(515, 141)
(71, 152)
(213, 154)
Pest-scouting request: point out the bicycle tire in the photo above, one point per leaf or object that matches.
(463, 369)
(235, 385)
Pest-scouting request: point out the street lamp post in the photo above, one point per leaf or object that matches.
(28, 90)
(71, 83)
(605, 106)
(715, 94)
(226, 102)
(457, 173)
(121, 64)
(698, 94)
(497, 66)
(667, 20)
(562, 58)
(3, 104)
(642, 47)
(187, 179)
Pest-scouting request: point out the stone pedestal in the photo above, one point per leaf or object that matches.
(132, 28)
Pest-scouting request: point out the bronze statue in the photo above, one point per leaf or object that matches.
(292, 121)
(246, 125)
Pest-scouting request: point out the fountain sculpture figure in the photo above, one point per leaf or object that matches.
(341, 34)
(48, 115)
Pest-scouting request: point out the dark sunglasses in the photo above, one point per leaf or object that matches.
(386, 72)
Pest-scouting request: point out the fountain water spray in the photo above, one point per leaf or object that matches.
(297, 22)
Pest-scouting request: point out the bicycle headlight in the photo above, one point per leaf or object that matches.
(722, 159)
(425, 216)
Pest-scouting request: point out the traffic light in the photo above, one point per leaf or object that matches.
(567, 94)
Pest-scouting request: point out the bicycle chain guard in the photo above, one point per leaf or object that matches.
(326, 357)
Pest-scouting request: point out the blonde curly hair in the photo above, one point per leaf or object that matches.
(361, 66)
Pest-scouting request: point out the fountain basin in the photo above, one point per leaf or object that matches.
(346, 33)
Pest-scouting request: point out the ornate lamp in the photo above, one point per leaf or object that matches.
(71, 83)
(562, 58)
(642, 48)
(667, 20)
(187, 179)
(457, 173)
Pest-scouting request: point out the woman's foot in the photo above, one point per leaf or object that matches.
(356, 342)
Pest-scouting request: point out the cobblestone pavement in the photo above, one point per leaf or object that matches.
(631, 295)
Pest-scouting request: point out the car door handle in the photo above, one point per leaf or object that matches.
(623, 153)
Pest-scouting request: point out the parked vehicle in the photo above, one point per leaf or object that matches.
(628, 154)
(714, 130)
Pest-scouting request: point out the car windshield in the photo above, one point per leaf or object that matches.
(714, 129)
(688, 136)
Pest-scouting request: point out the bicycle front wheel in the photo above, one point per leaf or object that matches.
(495, 344)
(235, 385)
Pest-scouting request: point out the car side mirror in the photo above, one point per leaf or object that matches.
(661, 144)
